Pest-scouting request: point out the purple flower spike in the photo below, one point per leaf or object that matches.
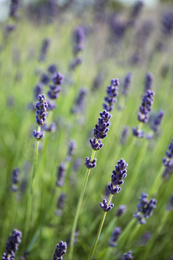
(15, 179)
(41, 110)
(148, 81)
(38, 135)
(12, 245)
(157, 121)
(119, 173)
(126, 84)
(167, 161)
(145, 108)
(58, 78)
(96, 145)
(112, 92)
(138, 133)
(44, 49)
(52, 68)
(104, 206)
(113, 189)
(101, 129)
(127, 256)
(115, 235)
(14, 5)
(90, 164)
(44, 79)
(61, 175)
(121, 210)
(144, 208)
(60, 250)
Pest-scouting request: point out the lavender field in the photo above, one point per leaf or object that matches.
(86, 152)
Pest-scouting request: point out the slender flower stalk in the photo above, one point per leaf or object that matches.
(41, 113)
(116, 179)
(100, 132)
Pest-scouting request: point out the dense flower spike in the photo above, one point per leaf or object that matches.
(114, 237)
(112, 92)
(148, 81)
(101, 129)
(90, 164)
(167, 23)
(144, 208)
(113, 189)
(157, 121)
(51, 128)
(104, 206)
(79, 37)
(168, 160)
(61, 175)
(55, 89)
(44, 79)
(38, 89)
(41, 110)
(14, 5)
(126, 84)
(44, 49)
(12, 245)
(60, 204)
(60, 250)
(14, 179)
(145, 108)
(79, 106)
(96, 145)
(52, 69)
(121, 211)
(127, 256)
(136, 9)
(119, 173)
(37, 135)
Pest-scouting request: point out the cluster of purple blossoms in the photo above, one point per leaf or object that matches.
(60, 250)
(14, 5)
(44, 49)
(71, 150)
(121, 211)
(167, 23)
(54, 89)
(112, 92)
(78, 40)
(61, 175)
(144, 208)
(41, 113)
(117, 177)
(15, 179)
(104, 205)
(148, 81)
(155, 123)
(79, 106)
(12, 245)
(127, 256)
(167, 161)
(145, 108)
(60, 204)
(114, 237)
(126, 83)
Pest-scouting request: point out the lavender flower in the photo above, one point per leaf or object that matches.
(113, 189)
(38, 89)
(55, 89)
(12, 245)
(148, 81)
(138, 133)
(79, 36)
(104, 206)
(75, 63)
(37, 135)
(14, 179)
(167, 161)
(79, 106)
(136, 9)
(44, 79)
(60, 204)
(121, 210)
(124, 135)
(41, 110)
(58, 78)
(145, 108)
(52, 69)
(101, 129)
(167, 23)
(115, 235)
(14, 5)
(112, 92)
(44, 49)
(61, 175)
(119, 173)
(96, 145)
(90, 164)
(126, 84)
(167, 172)
(157, 121)
(60, 250)
(169, 206)
(127, 256)
(144, 208)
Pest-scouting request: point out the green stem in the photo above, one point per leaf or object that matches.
(99, 231)
(125, 234)
(78, 209)
(157, 183)
(30, 191)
